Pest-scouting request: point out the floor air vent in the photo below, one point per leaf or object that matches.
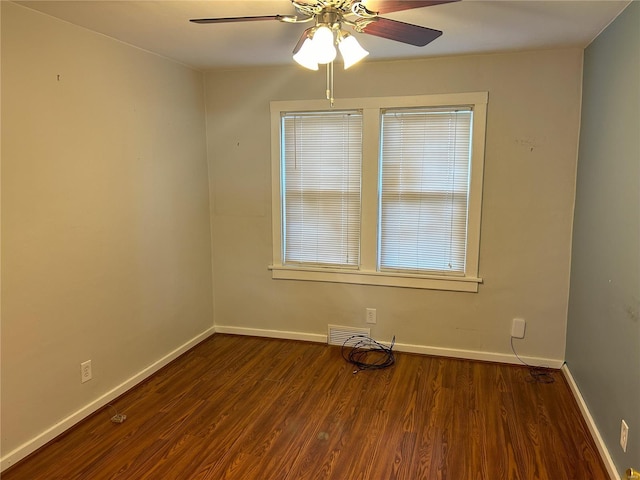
(338, 334)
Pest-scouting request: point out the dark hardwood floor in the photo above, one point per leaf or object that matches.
(247, 408)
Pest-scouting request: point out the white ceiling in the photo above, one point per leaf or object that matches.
(469, 26)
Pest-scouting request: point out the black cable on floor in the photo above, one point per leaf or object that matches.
(367, 354)
(537, 374)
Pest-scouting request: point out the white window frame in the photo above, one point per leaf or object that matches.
(367, 273)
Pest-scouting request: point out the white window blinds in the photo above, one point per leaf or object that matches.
(425, 163)
(321, 165)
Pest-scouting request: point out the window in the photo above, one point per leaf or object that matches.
(425, 160)
(321, 158)
(380, 191)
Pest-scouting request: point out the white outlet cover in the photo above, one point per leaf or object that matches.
(624, 435)
(85, 371)
(518, 327)
(371, 315)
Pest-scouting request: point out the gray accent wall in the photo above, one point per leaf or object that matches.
(603, 337)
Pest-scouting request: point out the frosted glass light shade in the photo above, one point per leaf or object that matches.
(306, 56)
(325, 52)
(351, 51)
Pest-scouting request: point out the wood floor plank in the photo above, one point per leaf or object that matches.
(244, 408)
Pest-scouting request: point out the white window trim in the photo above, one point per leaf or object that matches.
(367, 273)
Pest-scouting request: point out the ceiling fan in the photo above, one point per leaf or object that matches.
(317, 43)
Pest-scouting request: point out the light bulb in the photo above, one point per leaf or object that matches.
(323, 45)
(352, 52)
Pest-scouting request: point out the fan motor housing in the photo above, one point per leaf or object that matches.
(329, 17)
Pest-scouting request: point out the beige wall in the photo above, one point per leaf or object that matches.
(530, 165)
(105, 223)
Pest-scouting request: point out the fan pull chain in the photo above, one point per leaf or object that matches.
(330, 83)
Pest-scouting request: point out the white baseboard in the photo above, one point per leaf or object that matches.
(602, 448)
(259, 332)
(399, 347)
(52, 432)
(478, 355)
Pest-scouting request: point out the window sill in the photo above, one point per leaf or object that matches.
(387, 279)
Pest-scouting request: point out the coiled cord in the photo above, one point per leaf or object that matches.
(367, 354)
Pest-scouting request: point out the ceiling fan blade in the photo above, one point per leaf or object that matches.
(238, 19)
(399, 31)
(388, 6)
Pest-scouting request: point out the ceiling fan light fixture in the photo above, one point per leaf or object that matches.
(351, 50)
(306, 56)
(317, 44)
(325, 51)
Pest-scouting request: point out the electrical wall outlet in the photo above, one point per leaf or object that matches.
(517, 328)
(85, 371)
(624, 435)
(371, 315)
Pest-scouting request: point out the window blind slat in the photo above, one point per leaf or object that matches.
(425, 162)
(322, 155)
